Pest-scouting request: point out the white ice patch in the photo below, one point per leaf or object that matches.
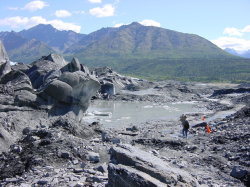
(148, 106)
(13, 63)
(126, 118)
(89, 114)
(166, 107)
(184, 102)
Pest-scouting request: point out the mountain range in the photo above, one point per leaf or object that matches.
(142, 51)
(245, 54)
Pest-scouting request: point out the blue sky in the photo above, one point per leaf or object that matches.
(224, 22)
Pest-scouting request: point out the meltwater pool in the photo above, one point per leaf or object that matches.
(117, 114)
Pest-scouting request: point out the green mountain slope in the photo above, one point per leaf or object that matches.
(57, 40)
(138, 40)
(21, 49)
(157, 53)
(30, 51)
(142, 51)
(12, 40)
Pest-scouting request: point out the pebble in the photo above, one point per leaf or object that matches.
(64, 154)
(42, 182)
(78, 170)
(93, 157)
(75, 162)
(155, 152)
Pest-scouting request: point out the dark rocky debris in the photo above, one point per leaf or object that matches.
(45, 142)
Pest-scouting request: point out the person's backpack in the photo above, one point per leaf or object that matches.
(186, 124)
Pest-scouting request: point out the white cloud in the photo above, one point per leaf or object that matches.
(60, 25)
(237, 44)
(105, 11)
(35, 21)
(95, 1)
(14, 22)
(119, 24)
(148, 22)
(246, 29)
(231, 31)
(35, 5)
(26, 22)
(62, 13)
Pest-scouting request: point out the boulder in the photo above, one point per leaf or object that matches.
(60, 91)
(123, 176)
(42, 68)
(64, 154)
(56, 59)
(62, 84)
(202, 124)
(106, 137)
(108, 88)
(52, 75)
(72, 91)
(36, 76)
(73, 66)
(70, 78)
(21, 67)
(3, 54)
(85, 69)
(103, 168)
(18, 80)
(147, 164)
(26, 98)
(112, 82)
(238, 172)
(4, 68)
(93, 157)
(18, 85)
(4, 61)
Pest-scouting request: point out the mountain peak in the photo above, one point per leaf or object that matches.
(135, 23)
(46, 27)
(58, 40)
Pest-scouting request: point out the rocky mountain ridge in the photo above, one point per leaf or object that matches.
(142, 51)
(128, 39)
(59, 41)
(21, 49)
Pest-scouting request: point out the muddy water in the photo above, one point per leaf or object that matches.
(117, 114)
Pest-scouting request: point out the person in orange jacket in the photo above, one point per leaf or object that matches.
(208, 129)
